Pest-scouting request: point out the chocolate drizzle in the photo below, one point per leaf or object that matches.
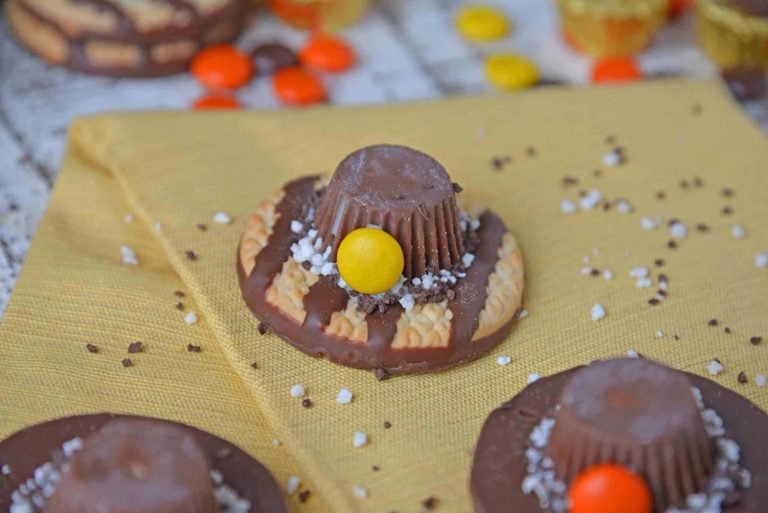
(323, 299)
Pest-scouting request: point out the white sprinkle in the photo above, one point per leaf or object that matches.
(24, 506)
(648, 223)
(644, 283)
(407, 302)
(190, 318)
(296, 227)
(714, 367)
(359, 440)
(761, 380)
(523, 314)
(297, 390)
(466, 259)
(638, 272)
(221, 218)
(293, 484)
(633, 354)
(678, 231)
(612, 158)
(71, 446)
(598, 312)
(738, 231)
(276, 442)
(624, 206)
(480, 131)
(568, 207)
(596, 251)
(129, 256)
(158, 225)
(503, 360)
(344, 397)
(607, 275)
(585, 259)
(360, 491)
(533, 377)
(591, 199)
(586, 271)
(128, 218)
(761, 260)
(5, 469)
(659, 333)
(216, 477)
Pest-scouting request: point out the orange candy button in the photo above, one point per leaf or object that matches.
(296, 86)
(616, 69)
(609, 488)
(222, 66)
(327, 53)
(216, 101)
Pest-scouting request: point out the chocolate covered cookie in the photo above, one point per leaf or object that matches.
(692, 445)
(140, 38)
(127, 464)
(380, 268)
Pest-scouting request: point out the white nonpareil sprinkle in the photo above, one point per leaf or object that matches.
(71, 446)
(5, 469)
(297, 390)
(649, 223)
(533, 377)
(607, 275)
(293, 484)
(22, 507)
(296, 227)
(624, 206)
(503, 360)
(344, 397)
(612, 158)
(660, 333)
(216, 477)
(591, 199)
(633, 354)
(276, 442)
(586, 259)
(761, 260)
(586, 271)
(568, 207)
(480, 131)
(359, 440)
(678, 231)
(738, 231)
(128, 218)
(715, 367)
(221, 218)
(523, 314)
(190, 318)
(598, 312)
(360, 491)
(761, 380)
(407, 302)
(638, 272)
(644, 283)
(158, 225)
(466, 259)
(129, 256)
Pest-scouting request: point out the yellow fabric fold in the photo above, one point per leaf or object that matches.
(178, 169)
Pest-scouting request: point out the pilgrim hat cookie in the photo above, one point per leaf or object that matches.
(124, 39)
(378, 268)
(623, 436)
(125, 464)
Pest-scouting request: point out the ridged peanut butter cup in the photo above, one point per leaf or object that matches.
(405, 192)
(136, 466)
(636, 413)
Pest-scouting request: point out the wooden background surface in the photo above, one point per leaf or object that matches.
(408, 51)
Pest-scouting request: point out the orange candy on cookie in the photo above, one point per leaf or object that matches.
(222, 67)
(296, 86)
(216, 102)
(616, 69)
(327, 53)
(609, 488)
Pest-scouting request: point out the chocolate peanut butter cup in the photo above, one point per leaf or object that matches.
(698, 446)
(127, 464)
(462, 275)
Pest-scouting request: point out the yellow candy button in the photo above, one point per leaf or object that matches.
(480, 23)
(511, 72)
(370, 260)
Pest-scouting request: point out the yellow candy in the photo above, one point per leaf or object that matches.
(370, 260)
(511, 72)
(479, 23)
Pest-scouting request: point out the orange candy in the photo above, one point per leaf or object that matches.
(616, 69)
(678, 7)
(296, 86)
(327, 53)
(609, 488)
(222, 67)
(216, 102)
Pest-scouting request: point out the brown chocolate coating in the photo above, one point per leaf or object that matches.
(406, 192)
(636, 413)
(136, 466)
(325, 297)
(499, 465)
(752, 7)
(747, 84)
(270, 57)
(33, 446)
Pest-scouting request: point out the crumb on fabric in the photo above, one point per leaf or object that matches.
(597, 312)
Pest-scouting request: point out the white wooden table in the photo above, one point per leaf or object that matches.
(408, 51)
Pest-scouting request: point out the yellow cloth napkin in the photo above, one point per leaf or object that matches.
(179, 169)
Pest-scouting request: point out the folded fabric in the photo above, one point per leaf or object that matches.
(588, 181)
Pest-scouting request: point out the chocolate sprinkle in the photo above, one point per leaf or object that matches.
(127, 363)
(698, 182)
(430, 502)
(254, 365)
(375, 468)
(531, 151)
(727, 329)
(727, 210)
(178, 293)
(742, 378)
(696, 109)
(263, 328)
(677, 337)
(304, 495)
(179, 306)
(712, 322)
(136, 347)
(702, 227)
(91, 348)
(726, 192)
(191, 255)
(683, 184)
(306, 403)
(202, 227)
(755, 341)
(456, 187)
(193, 348)
(568, 181)
(660, 195)
(659, 262)
(653, 301)
(387, 424)
(672, 244)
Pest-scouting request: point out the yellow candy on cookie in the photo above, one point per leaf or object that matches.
(481, 23)
(370, 260)
(510, 71)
